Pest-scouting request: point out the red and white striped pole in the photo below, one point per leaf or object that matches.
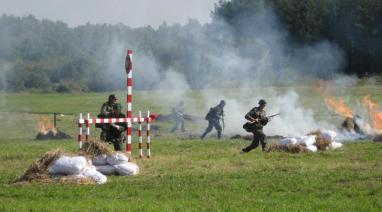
(87, 127)
(140, 152)
(148, 141)
(129, 68)
(80, 131)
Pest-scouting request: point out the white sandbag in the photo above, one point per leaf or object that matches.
(98, 177)
(328, 135)
(116, 158)
(311, 148)
(287, 141)
(106, 169)
(307, 140)
(66, 165)
(100, 160)
(335, 145)
(127, 168)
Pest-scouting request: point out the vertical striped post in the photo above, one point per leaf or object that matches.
(80, 131)
(140, 152)
(148, 141)
(87, 127)
(129, 68)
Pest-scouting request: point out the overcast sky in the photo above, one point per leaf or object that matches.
(134, 13)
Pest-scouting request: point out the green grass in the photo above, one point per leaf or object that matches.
(187, 174)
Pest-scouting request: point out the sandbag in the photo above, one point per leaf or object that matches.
(127, 168)
(100, 160)
(307, 140)
(98, 177)
(335, 145)
(311, 148)
(66, 165)
(116, 158)
(106, 169)
(287, 141)
(328, 135)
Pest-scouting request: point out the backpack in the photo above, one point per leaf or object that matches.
(210, 114)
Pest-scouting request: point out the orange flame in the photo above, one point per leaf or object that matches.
(338, 105)
(44, 125)
(374, 115)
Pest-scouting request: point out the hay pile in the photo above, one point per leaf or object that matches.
(321, 142)
(94, 148)
(291, 148)
(38, 171)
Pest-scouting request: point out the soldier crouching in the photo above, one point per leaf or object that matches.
(115, 131)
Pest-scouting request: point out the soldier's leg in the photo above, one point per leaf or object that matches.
(254, 144)
(175, 127)
(182, 125)
(208, 129)
(218, 128)
(263, 140)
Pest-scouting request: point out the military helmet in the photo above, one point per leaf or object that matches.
(112, 97)
(222, 102)
(262, 102)
(117, 106)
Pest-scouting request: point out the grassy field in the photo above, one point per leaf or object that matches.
(188, 174)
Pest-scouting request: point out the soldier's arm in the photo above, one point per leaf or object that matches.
(249, 116)
(103, 110)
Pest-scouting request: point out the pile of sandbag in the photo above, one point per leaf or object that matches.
(115, 163)
(90, 165)
(317, 140)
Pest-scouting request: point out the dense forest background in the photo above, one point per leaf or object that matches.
(50, 56)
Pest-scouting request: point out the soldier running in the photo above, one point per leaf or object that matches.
(213, 117)
(177, 116)
(258, 120)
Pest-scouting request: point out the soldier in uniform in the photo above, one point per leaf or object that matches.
(213, 117)
(107, 107)
(115, 131)
(106, 111)
(177, 116)
(258, 119)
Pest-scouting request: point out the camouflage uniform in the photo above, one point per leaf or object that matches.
(257, 128)
(213, 117)
(115, 133)
(177, 115)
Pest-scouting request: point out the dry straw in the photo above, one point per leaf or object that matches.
(95, 147)
(38, 171)
(321, 143)
(292, 148)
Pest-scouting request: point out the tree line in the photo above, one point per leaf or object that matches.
(48, 55)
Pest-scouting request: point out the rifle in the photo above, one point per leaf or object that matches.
(268, 117)
(223, 123)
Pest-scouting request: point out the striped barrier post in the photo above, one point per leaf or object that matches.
(140, 152)
(148, 141)
(129, 70)
(79, 132)
(87, 127)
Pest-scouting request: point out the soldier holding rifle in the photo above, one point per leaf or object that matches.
(257, 120)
